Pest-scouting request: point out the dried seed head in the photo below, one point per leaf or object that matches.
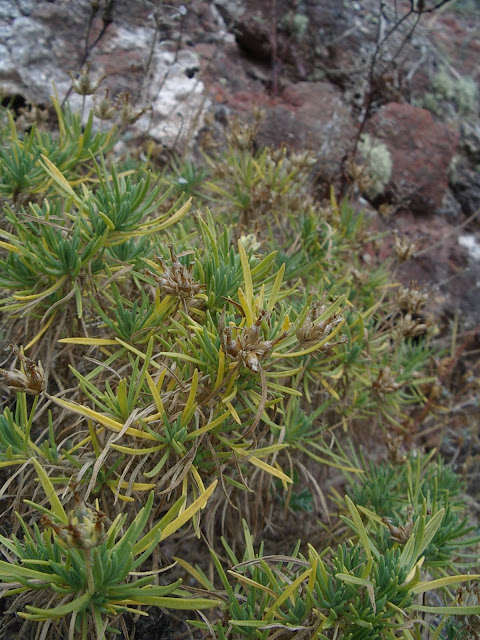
(31, 379)
(395, 448)
(30, 115)
(82, 83)
(232, 346)
(403, 532)
(302, 160)
(385, 382)
(252, 361)
(411, 299)
(312, 331)
(329, 345)
(403, 248)
(408, 327)
(386, 209)
(176, 279)
(258, 113)
(251, 335)
(432, 390)
(360, 278)
(127, 111)
(468, 596)
(104, 110)
(360, 175)
(248, 347)
(240, 135)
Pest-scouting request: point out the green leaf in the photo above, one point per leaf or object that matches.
(360, 529)
(448, 611)
(184, 604)
(169, 529)
(79, 604)
(50, 492)
(421, 587)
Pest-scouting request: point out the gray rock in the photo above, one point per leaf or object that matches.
(470, 140)
(465, 184)
(41, 45)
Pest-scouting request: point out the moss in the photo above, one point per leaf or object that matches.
(467, 95)
(461, 91)
(378, 162)
(443, 84)
(296, 24)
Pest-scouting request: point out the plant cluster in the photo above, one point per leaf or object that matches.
(175, 365)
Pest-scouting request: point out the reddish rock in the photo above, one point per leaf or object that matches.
(442, 265)
(313, 116)
(421, 151)
(458, 38)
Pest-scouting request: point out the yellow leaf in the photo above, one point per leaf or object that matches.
(199, 503)
(330, 389)
(194, 573)
(162, 223)
(91, 342)
(52, 497)
(262, 465)
(46, 292)
(40, 333)
(282, 389)
(287, 593)
(221, 368)
(59, 178)
(190, 404)
(120, 496)
(155, 390)
(251, 583)
(286, 323)
(276, 288)
(233, 412)
(173, 526)
(138, 452)
(9, 247)
(247, 276)
(247, 308)
(198, 481)
(333, 201)
(208, 427)
(106, 421)
(136, 486)
(180, 356)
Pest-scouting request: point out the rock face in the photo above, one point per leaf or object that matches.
(421, 151)
(313, 116)
(40, 47)
(465, 183)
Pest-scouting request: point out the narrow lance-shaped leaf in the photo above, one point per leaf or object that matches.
(161, 534)
(57, 507)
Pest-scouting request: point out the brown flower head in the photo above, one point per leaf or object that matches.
(411, 299)
(313, 331)
(30, 378)
(176, 280)
(403, 248)
(249, 346)
(385, 382)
